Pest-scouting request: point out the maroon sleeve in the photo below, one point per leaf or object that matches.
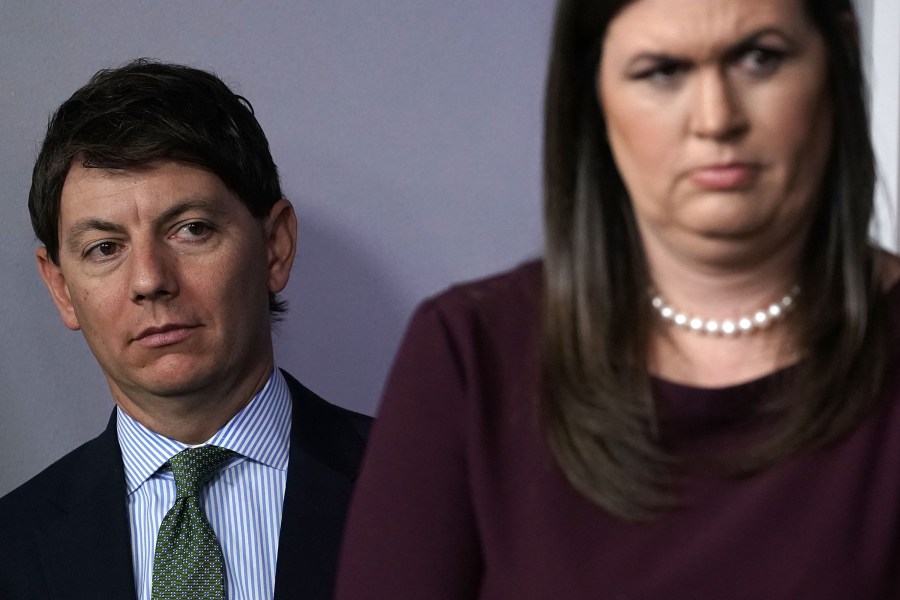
(411, 531)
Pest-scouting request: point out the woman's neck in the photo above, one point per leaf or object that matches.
(721, 288)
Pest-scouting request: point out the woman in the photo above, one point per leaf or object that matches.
(692, 395)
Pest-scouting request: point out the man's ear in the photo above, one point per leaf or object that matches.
(59, 291)
(281, 243)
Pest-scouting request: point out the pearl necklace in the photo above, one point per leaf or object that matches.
(744, 325)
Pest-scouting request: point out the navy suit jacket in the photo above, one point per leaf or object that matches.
(64, 534)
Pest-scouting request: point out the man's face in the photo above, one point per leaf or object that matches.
(167, 274)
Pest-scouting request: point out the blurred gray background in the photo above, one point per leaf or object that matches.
(408, 136)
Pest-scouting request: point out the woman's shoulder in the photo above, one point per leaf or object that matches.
(496, 318)
(510, 293)
(473, 336)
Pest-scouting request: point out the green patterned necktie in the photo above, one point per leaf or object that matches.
(188, 561)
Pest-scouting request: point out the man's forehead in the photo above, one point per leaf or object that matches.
(81, 179)
(86, 168)
(165, 180)
(150, 195)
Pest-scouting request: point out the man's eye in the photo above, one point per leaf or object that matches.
(194, 229)
(197, 229)
(103, 249)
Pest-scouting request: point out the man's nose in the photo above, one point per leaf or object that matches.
(153, 272)
(717, 110)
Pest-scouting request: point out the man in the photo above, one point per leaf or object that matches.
(165, 239)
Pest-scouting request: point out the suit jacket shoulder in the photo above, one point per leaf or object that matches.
(327, 445)
(66, 530)
(64, 533)
(335, 435)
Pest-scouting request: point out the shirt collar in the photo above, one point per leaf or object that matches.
(260, 432)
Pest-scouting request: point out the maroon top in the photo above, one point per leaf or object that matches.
(460, 498)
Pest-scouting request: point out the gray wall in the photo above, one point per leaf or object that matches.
(407, 133)
(408, 137)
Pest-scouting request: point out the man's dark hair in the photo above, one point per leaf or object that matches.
(147, 111)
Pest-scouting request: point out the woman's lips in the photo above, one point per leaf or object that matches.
(732, 176)
(166, 336)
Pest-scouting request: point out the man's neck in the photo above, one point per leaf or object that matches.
(193, 418)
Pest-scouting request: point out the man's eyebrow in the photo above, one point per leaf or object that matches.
(79, 229)
(76, 231)
(207, 205)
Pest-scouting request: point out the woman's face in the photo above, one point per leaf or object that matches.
(719, 117)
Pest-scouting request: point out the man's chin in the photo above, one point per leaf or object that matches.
(181, 380)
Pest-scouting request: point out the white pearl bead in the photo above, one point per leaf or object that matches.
(728, 327)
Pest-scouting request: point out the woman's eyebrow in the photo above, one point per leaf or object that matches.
(753, 38)
(728, 50)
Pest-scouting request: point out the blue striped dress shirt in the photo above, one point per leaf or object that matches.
(243, 502)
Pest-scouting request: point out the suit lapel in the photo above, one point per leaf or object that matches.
(86, 551)
(325, 453)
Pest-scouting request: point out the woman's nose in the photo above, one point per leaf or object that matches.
(717, 110)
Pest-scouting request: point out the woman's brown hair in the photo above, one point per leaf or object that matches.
(597, 407)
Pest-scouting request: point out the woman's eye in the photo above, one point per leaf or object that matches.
(666, 73)
(760, 61)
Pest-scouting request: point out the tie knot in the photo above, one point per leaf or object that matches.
(195, 466)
